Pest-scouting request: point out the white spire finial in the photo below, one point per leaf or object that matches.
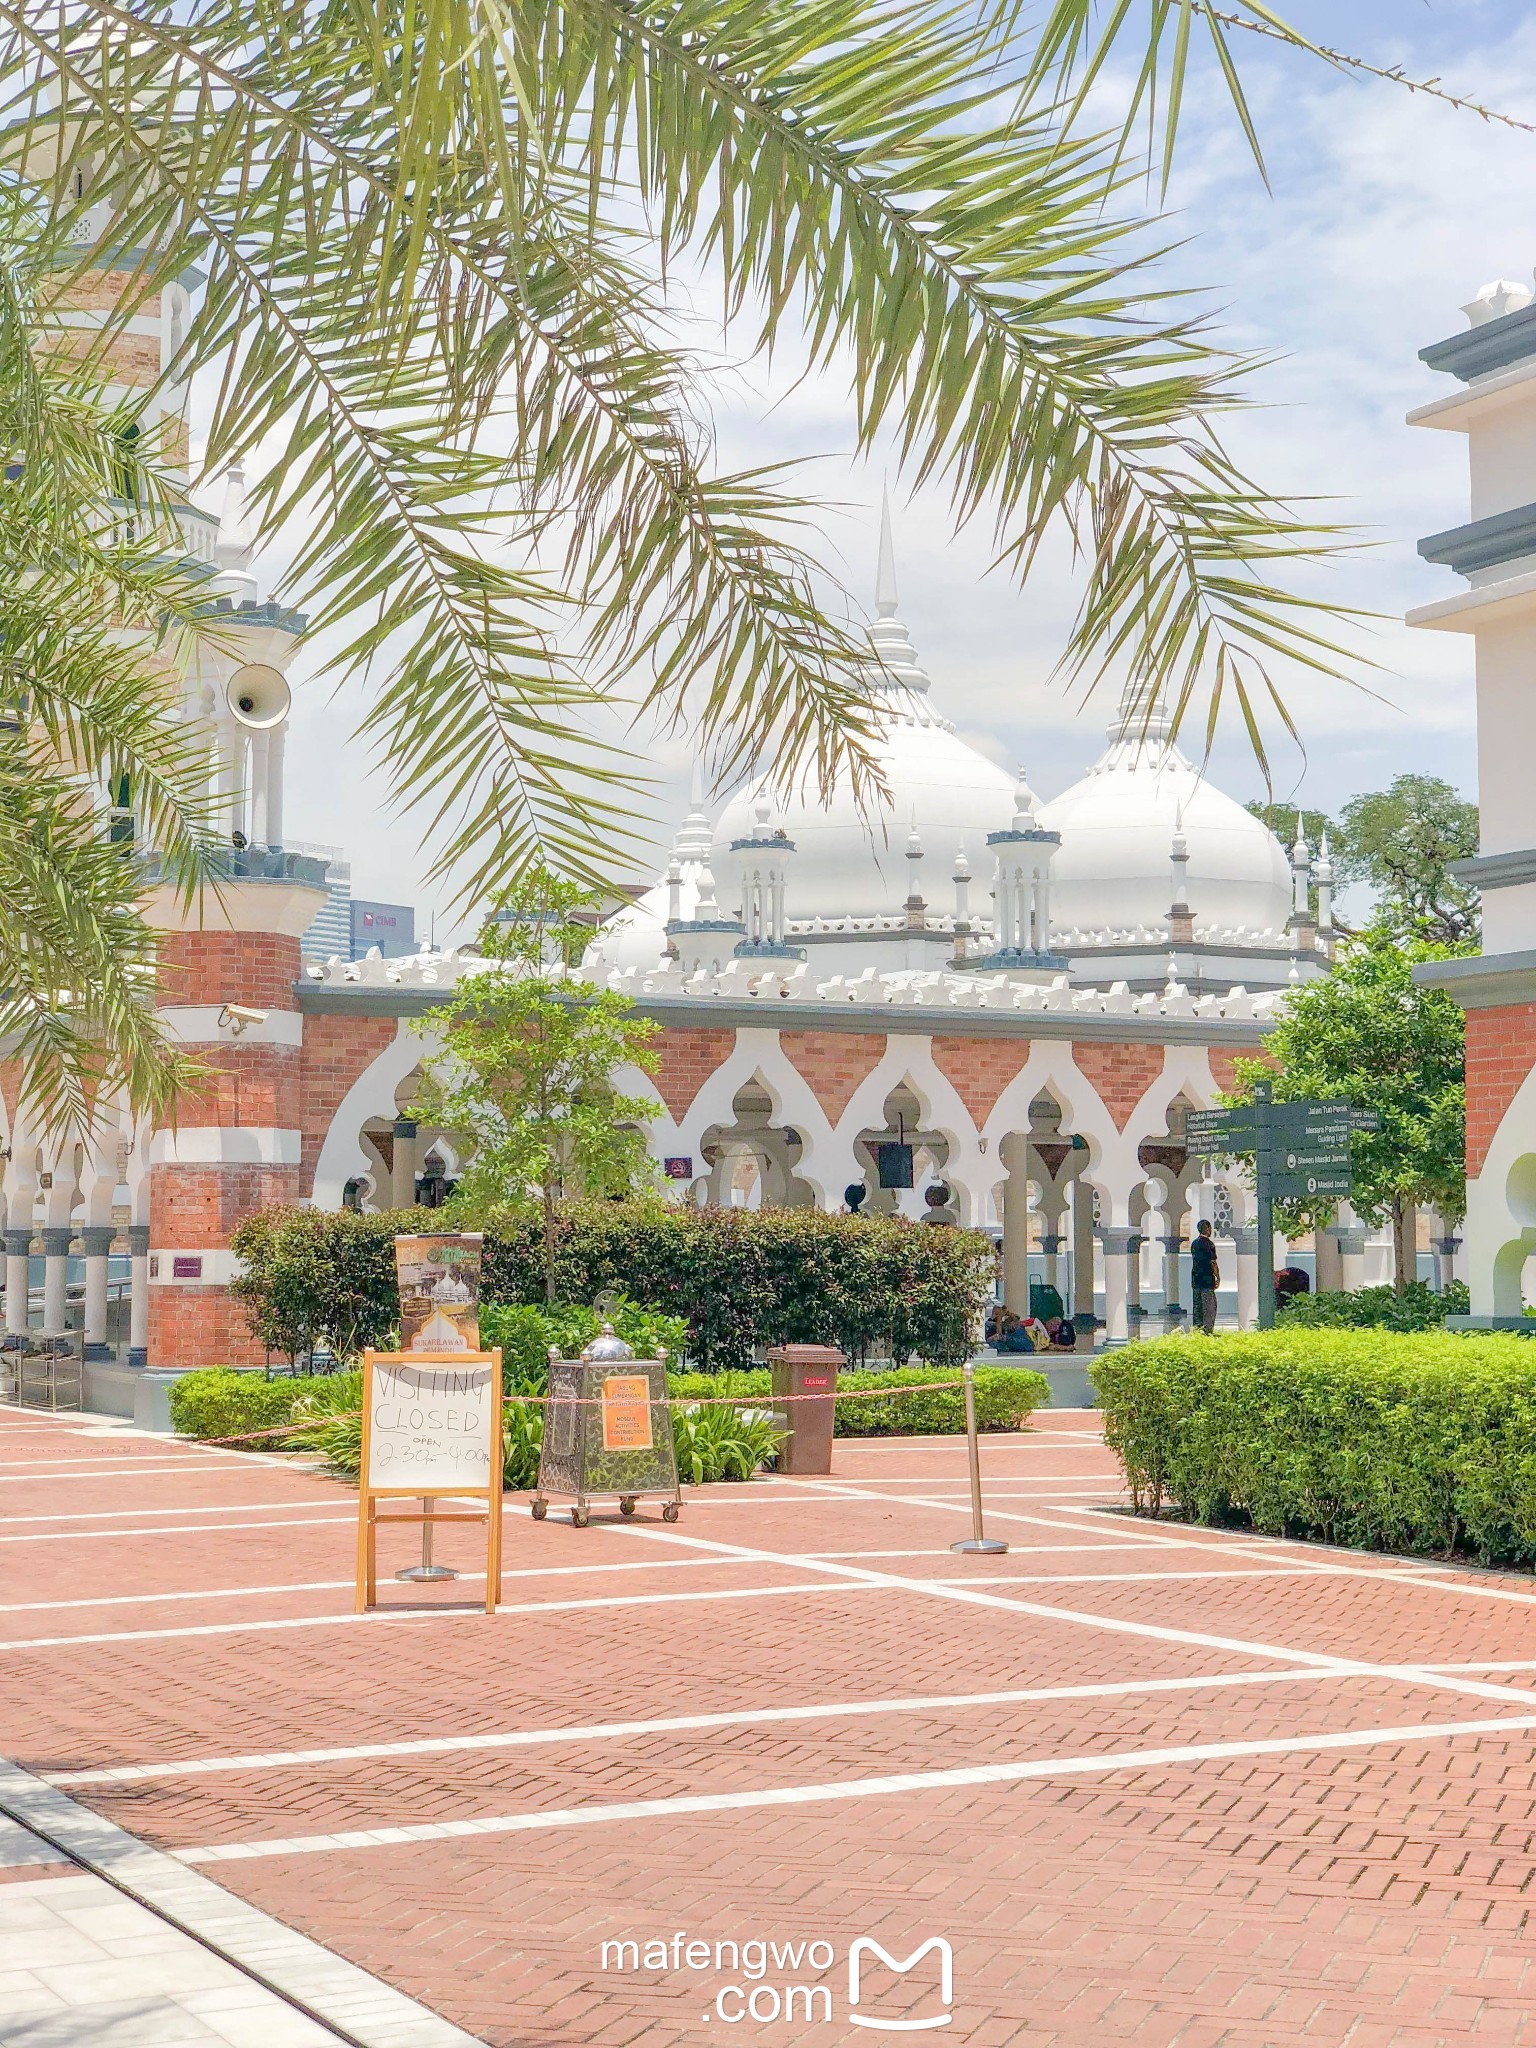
(885, 572)
(696, 785)
(234, 548)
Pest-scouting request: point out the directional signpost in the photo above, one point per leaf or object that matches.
(1300, 1154)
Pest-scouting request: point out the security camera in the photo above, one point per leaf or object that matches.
(235, 1017)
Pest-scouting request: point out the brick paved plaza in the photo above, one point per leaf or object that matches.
(1154, 1785)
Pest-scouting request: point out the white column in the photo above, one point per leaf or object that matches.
(1246, 1246)
(96, 1244)
(56, 1242)
(228, 777)
(276, 745)
(1050, 1253)
(402, 1177)
(260, 753)
(777, 884)
(1330, 1267)
(18, 1246)
(1121, 1246)
(1349, 1233)
(1173, 1309)
(1016, 1226)
(138, 1296)
(1082, 1256)
(1003, 908)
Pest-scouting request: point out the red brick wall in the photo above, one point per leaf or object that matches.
(336, 1052)
(195, 1208)
(198, 1326)
(980, 1068)
(684, 1062)
(833, 1062)
(1501, 1050)
(250, 1086)
(1121, 1074)
(258, 968)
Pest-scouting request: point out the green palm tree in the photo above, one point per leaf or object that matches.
(437, 246)
(96, 608)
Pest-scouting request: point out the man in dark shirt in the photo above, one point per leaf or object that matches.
(1204, 1279)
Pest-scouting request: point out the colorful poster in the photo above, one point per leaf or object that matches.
(439, 1282)
(627, 1412)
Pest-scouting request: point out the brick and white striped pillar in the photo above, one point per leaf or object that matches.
(236, 1145)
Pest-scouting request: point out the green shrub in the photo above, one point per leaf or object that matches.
(748, 1278)
(224, 1403)
(735, 1279)
(1419, 1443)
(221, 1403)
(315, 1279)
(1377, 1308)
(1006, 1397)
(524, 1335)
(722, 1443)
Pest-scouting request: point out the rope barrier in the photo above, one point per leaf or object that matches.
(660, 1401)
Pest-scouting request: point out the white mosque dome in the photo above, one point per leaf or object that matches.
(853, 864)
(1112, 872)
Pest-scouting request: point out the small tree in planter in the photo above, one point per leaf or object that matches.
(528, 1055)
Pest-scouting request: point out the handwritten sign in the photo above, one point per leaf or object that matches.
(627, 1412)
(432, 1428)
(429, 1424)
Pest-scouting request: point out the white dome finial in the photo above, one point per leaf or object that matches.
(1026, 804)
(695, 835)
(1503, 295)
(885, 571)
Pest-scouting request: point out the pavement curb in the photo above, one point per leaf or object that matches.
(355, 2006)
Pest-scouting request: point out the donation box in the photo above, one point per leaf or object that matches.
(804, 1379)
(607, 1430)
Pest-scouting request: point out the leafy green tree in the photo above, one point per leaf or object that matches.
(528, 1051)
(1368, 1034)
(1402, 840)
(436, 247)
(98, 613)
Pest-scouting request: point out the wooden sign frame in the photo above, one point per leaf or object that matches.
(369, 1518)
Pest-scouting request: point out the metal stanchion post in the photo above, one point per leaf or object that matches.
(426, 1571)
(978, 1542)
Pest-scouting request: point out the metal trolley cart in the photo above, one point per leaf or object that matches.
(607, 1431)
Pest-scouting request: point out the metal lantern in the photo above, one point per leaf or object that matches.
(607, 1430)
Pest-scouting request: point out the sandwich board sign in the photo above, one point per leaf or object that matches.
(431, 1432)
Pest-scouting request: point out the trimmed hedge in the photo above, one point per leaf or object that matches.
(1418, 1307)
(1006, 1397)
(221, 1403)
(1423, 1444)
(739, 1279)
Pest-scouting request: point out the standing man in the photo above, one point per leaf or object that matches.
(1204, 1279)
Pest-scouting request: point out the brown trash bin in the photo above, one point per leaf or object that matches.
(800, 1369)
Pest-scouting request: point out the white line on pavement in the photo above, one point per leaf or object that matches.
(235, 1628)
(601, 1731)
(974, 1595)
(846, 1788)
(172, 1529)
(540, 1571)
(223, 1507)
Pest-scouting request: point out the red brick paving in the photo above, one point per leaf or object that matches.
(1365, 1897)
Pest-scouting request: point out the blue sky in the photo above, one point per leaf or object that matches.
(1386, 212)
